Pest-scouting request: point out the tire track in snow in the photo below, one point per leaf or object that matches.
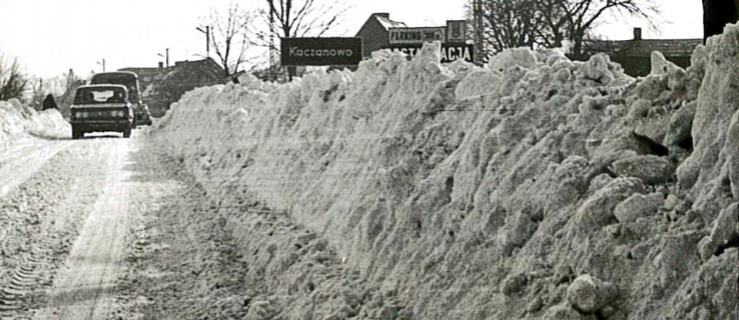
(85, 288)
(41, 217)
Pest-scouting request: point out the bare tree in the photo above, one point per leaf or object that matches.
(229, 34)
(71, 82)
(40, 87)
(554, 22)
(301, 18)
(716, 14)
(296, 18)
(510, 24)
(12, 80)
(582, 15)
(547, 23)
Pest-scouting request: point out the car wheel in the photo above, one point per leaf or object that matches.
(127, 133)
(77, 132)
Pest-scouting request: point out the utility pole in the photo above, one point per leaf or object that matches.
(70, 78)
(477, 11)
(272, 59)
(102, 63)
(165, 56)
(207, 39)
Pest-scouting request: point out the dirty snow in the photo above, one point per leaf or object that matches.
(40, 220)
(540, 188)
(18, 121)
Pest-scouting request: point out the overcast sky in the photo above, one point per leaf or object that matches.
(52, 36)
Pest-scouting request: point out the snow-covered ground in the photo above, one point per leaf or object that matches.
(538, 188)
(18, 122)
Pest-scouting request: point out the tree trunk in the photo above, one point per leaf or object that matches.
(716, 14)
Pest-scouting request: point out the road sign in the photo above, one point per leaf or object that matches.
(416, 35)
(321, 51)
(456, 31)
(449, 52)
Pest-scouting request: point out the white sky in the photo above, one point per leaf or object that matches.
(52, 36)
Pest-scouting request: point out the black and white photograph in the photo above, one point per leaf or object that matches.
(369, 160)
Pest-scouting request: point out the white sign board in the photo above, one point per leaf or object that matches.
(416, 35)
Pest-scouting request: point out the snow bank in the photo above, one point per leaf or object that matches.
(541, 188)
(17, 121)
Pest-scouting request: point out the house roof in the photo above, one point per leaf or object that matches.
(384, 20)
(193, 74)
(205, 67)
(144, 72)
(644, 47)
(387, 23)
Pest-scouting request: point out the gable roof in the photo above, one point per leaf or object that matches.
(644, 47)
(143, 72)
(206, 66)
(187, 75)
(387, 23)
(383, 19)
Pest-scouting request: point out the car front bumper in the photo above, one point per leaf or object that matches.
(102, 125)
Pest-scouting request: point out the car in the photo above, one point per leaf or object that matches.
(101, 107)
(130, 80)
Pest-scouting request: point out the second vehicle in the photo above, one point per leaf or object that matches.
(131, 81)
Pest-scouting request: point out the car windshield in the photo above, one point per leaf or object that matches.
(129, 81)
(100, 95)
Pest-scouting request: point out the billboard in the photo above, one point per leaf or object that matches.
(449, 52)
(320, 51)
(416, 35)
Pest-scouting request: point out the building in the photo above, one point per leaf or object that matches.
(148, 76)
(183, 76)
(164, 85)
(379, 32)
(375, 32)
(634, 55)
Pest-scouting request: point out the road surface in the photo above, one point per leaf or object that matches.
(111, 228)
(68, 209)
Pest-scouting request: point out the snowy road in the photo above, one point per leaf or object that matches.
(67, 209)
(82, 290)
(24, 159)
(109, 228)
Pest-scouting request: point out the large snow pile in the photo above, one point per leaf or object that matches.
(540, 188)
(17, 121)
